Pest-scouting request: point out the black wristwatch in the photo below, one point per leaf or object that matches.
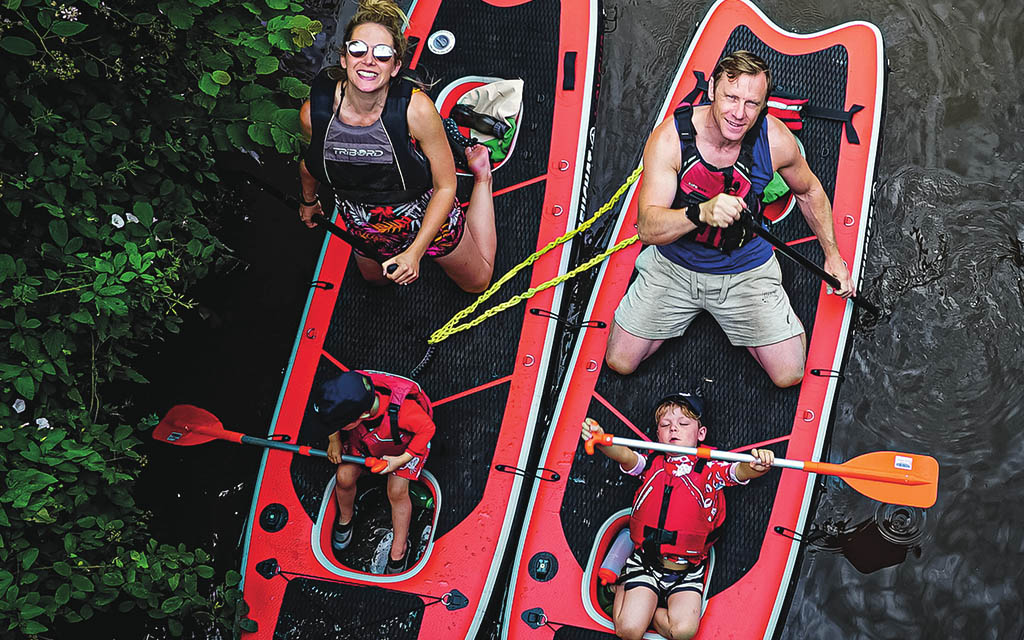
(315, 200)
(693, 214)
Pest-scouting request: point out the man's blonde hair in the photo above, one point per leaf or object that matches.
(743, 62)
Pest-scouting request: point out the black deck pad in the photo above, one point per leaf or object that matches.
(322, 610)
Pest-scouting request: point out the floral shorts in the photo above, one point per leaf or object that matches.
(391, 228)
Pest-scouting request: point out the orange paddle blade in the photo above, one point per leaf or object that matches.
(888, 476)
(187, 425)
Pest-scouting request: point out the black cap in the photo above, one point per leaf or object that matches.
(342, 400)
(692, 400)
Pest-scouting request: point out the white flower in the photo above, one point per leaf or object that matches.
(18, 406)
(65, 12)
(130, 217)
(117, 221)
(43, 423)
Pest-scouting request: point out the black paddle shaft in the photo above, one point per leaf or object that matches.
(794, 255)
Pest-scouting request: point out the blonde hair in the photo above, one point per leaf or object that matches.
(667, 406)
(387, 14)
(740, 63)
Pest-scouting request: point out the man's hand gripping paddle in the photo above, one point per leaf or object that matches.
(186, 425)
(887, 476)
(747, 220)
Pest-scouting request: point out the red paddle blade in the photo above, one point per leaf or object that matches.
(187, 425)
(892, 477)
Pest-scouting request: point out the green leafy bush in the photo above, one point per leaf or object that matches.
(111, 116)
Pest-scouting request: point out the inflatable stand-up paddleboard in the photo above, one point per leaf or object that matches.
(486, 384)
(571, 522)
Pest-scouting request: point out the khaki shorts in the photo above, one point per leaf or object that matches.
(751, 307)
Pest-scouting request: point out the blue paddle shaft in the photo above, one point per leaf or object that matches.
(294, 448)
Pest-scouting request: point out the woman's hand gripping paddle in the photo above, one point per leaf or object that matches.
(887, 476)
(186, 425)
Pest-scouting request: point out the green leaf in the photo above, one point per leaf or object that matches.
(113, 290)
(267, 64)
(59, 232)
(294, 87)
(62, 568)
(233, 578)
(66, 29)
(7, 266)
(172, 604)
(261, 134)
(63, 594)
(225, 24)
(178, 13)
(82, 583)
(83, 317)
(30, 611)
(26, 386)
(17, 46)
(236, 134)
(283, 142)
(144, 212)
(205, 571)
(100, 111)
(113, 578)
(34, 627)
(29, 557)
(221, 77)
(207, 85)
(288, 119)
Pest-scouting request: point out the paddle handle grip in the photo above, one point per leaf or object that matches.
(605, 439)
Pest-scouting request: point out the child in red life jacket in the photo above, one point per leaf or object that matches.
(368, 413)
(676, 511)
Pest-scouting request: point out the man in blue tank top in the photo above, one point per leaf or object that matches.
(702, 169)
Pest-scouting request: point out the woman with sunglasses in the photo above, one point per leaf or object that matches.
(378, 141)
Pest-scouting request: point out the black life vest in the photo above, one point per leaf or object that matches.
(405, 179)
(699, 181)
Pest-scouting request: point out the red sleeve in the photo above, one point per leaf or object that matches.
(412, 418)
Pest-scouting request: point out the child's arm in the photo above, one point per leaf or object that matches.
(395, 462)
(625, 456)
(415, 420)
(334, 447)
(749, 470)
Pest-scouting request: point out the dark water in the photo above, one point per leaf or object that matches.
(940, 373)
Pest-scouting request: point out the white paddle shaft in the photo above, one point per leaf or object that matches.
(714, 454)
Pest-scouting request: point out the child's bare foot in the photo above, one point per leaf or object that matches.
(478, 157)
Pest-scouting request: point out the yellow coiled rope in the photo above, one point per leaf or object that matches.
(452, 326)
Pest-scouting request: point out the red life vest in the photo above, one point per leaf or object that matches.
(699, 181)
(676, 515)
(388, 438)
